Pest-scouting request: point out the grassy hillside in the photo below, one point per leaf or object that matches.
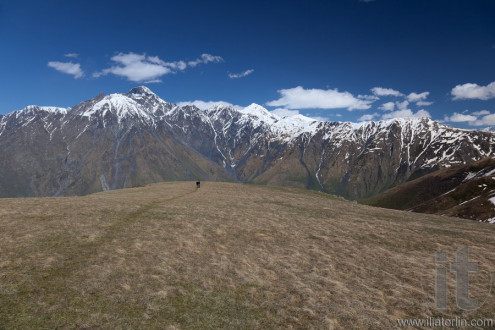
(226, 256)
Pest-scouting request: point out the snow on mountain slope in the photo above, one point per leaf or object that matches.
(121, 106)
(289, 128)
(445, 141)
(149, 101)
(142, 103)
(22, 118)
(32, 110)
(35, 108)
(258, 117)
(257, 113)
(2, 124)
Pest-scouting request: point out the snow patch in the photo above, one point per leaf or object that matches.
(469, 176)
(290, 127)
(120, 105)
(472, 199)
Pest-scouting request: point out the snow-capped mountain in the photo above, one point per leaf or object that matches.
(124, 140)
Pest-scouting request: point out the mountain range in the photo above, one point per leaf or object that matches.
(125, 140)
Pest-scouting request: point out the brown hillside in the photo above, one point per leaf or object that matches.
(225, 256)
(460, 191)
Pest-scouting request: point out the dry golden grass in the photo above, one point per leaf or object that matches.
(225, 256)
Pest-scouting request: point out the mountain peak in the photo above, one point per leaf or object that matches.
(258, 111)
(121, 105)
(141, 90)
(255, 107)
(221, 106)
(144, 96)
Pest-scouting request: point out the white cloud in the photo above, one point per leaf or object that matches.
(180, 65)
(459, 118)
(368, 97)
(389, 106)
(473, 91)
(380, 91)
(137, 67)
(300, 98)
(472, 119)
(368, 117)
(73, 69)
(406, 113)
(204, 105)
(282, 112)
(177, 65)
(415, 97)
(418, 98)
(143, 68)
(481, 113)
(205, 58)
(402, 105)
(240, 75)
(71, 55)
(484, 121)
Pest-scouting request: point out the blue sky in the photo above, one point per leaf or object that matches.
(345, 60)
